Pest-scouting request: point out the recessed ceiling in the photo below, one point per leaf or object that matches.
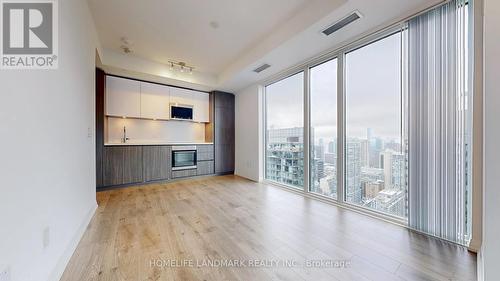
(206, 34)
(227, 39)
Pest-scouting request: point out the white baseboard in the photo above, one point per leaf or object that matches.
(475, 245)
(58, 271)
(480, 268)
(237, 173)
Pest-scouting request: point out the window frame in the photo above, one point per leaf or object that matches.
(340, 191)
(403, 110)
(264, 134)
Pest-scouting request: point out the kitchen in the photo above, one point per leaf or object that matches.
(150, 132)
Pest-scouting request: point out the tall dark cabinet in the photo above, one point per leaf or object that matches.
(223, 129)
(100, 86)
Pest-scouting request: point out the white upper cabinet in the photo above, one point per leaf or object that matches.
(181, 96)
(201, 103)
(123, 97)
(135, 99)
(155, 101)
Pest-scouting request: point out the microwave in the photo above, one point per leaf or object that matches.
(181, 112)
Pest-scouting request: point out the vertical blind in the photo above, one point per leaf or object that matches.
(439, 116)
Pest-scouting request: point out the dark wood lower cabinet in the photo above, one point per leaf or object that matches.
(205, 168)
(205, 152)
(136, 164)
(183, 173)
(132, 165)
(122, 165)
(112, 166)
(157, 162)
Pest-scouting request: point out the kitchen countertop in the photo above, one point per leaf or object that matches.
(155, 143)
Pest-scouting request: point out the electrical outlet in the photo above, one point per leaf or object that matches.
(46, 237)
(5, 274)
(89, 132)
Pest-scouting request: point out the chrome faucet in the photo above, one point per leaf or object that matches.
(125, 138)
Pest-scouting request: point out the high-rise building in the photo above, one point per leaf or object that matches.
(375, 148)
(332, 147)
(353, 171)
(392, 145)
(399, 174)
(285, 135)
(321, 149)
(372, 189)
(320, 168)
(330, 158)
(369, 175)
(285, 156)
(365, 153)
(331, 181)
(393, 164)
(390, 201)
(319, 152)
(317, 172)
(327, 185)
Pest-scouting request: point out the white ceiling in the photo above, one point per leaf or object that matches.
(163, 30)
(282, 33)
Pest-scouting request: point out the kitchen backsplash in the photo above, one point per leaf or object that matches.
(139, 130)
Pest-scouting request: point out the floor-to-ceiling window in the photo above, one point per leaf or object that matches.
(284, 158)
(398, 106)
(323, 132)
(375, 161)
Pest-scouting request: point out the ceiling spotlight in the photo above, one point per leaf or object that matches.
(126, 45)
(214, 24)
(126, 41)
(181, 66)
(126, 49)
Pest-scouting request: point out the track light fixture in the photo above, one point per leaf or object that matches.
(180, 66)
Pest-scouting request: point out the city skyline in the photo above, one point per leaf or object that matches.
(376, 171)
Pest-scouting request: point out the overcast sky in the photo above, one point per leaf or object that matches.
(373, 87)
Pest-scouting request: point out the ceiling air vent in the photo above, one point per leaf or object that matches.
(342, 23)
(261, 68)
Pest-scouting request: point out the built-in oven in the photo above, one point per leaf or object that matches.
(183, 157)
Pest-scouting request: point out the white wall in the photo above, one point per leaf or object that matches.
(47, 153)
(151, 131)
(490, 251)
(248, 151)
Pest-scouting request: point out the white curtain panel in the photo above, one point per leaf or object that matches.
(439, 116)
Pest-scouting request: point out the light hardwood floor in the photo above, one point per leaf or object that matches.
(225, 218)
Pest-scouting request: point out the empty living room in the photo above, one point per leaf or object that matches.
(249, 140)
